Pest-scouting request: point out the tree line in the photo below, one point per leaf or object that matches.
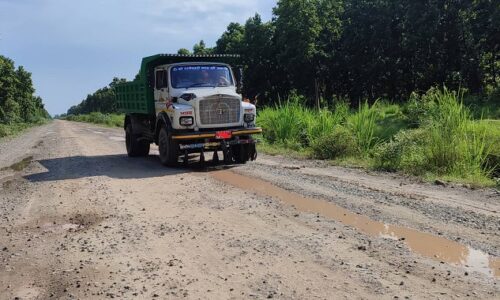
(18, 102)
(357, 50)
(366, 49)
(102, 100)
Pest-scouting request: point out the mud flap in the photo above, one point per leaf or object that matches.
(228, 153)
(252, 152)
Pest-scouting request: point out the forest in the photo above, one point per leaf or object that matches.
(19, 106)
(356, 50)
(364, 50)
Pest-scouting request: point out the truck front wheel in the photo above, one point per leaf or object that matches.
(168, 148)
(135, 147)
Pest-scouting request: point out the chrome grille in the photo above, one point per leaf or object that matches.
(219, 110)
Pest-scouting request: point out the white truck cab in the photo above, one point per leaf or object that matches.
(201, 96)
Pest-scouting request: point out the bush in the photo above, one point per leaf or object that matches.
(404, 152)
(340, 142)
(419, 108)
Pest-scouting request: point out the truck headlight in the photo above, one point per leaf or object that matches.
(186, 121)
(188, 97)
(249, 118)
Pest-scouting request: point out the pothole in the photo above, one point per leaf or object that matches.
(425, 244)
(20, 165)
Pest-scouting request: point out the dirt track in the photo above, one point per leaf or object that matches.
(79, 219)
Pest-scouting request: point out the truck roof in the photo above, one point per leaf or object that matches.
(150, 62)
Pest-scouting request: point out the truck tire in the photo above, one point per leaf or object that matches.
(168, 148)
(135, 147)
(241, 153)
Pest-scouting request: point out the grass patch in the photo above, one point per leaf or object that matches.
(9, 130)
(110, 120)
(276, 149)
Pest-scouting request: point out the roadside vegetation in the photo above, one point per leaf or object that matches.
(111, 120)
(433, 136)
(20, 108)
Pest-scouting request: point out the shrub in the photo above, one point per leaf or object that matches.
(404, 152)
(419, 108)
(340, 142)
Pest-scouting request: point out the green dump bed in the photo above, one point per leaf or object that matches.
(132, 97)
(137, 96)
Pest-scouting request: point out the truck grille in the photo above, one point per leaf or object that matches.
(219, 110)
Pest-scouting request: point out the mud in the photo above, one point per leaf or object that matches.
(428, 245)
(20, 165)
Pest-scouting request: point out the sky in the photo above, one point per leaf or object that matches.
(73, 48)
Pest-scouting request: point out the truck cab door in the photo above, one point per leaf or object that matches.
(161, 93)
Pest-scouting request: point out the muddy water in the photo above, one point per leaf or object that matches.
(425, 244)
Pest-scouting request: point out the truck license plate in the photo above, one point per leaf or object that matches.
(222, 135)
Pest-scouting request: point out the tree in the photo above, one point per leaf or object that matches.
(260, 76)
(201, 49)
(183, 51)
(231, 41)
(103, 100)
(17, 100)
(297, 30)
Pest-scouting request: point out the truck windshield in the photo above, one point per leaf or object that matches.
(201, 76)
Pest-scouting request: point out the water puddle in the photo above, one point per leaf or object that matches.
(425, 244)
(20, 165)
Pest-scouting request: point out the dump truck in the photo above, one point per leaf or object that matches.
(188, 104)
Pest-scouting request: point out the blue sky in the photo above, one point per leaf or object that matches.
(72, 48)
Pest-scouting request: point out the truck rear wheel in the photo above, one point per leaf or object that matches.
(135, 147)
(168, 148)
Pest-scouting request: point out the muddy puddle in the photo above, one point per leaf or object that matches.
(425, 244)
(20, 165)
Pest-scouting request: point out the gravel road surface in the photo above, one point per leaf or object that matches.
(81, 220)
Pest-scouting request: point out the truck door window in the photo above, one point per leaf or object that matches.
(161, 79)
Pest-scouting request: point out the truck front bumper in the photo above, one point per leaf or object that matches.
(212, 134)
(209, 140)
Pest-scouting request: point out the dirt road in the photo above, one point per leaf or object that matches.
(79, 219)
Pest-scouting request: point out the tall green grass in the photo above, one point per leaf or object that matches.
(363, 124)
(434, 135)
(294, 125)
(448, 143)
